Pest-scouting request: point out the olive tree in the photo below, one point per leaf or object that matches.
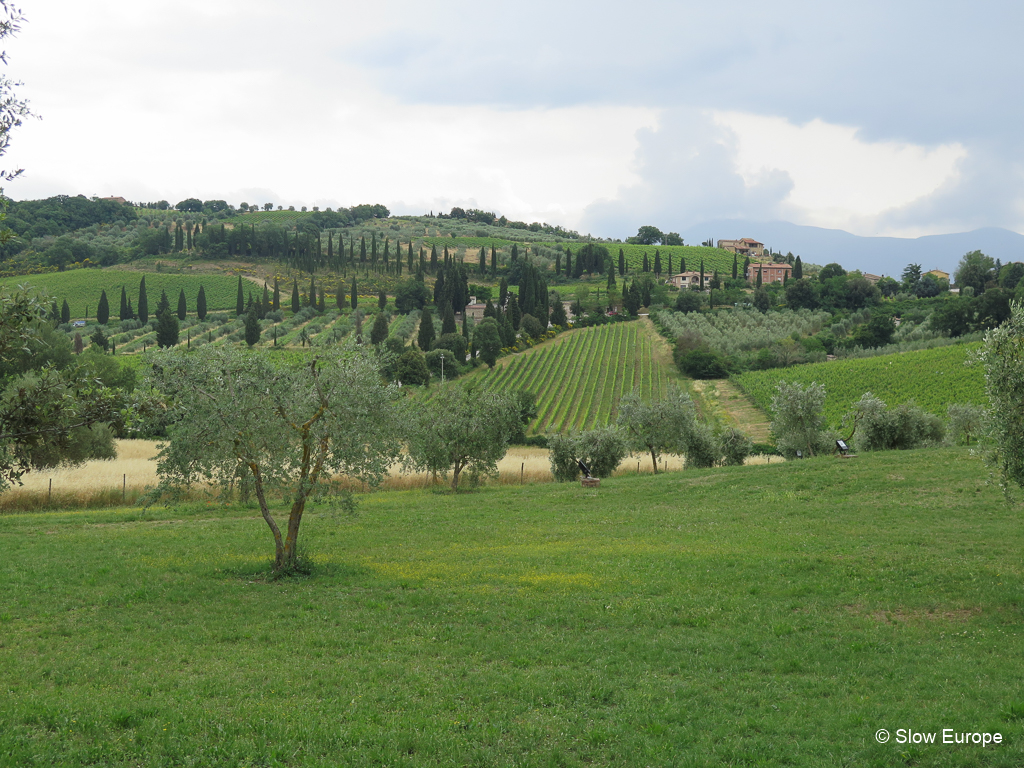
(289, 426)
(602, 450)
(1002, 355)
(460, 428)
(798, 423)
(661, 426)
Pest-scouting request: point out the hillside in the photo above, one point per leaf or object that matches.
(579, 376)
(932, 378)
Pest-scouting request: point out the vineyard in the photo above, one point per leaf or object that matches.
(579, 377)
(82, 287)
(932, 378)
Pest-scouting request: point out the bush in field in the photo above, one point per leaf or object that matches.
(602, 450)
(902, 427)
(736, 446)
(412, 368)
(703, 448)
(966, 422)
(798, 423)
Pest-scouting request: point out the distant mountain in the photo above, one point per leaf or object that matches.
(877, 255)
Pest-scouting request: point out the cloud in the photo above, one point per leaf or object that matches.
(688, 173)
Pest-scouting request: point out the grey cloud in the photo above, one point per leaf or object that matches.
(688, 174)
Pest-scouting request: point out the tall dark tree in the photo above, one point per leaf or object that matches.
(65, 312)
(143, 302)
(354, 299)
(123, 313)
(425, 337)
(252, 325)
(296, 301)
(798, 269)
(735, 265)
(379, 332)
(494, 261)
(433, 264)
(276, 302)
(240, 299)
(103, 309)
(483, 260)
(321, 302)
(201, 304)
(702, 274)
(311, 299)
(382, 299)
(265, 304)
(657, 262)
(622, 263)
(568, 262)
(182, 309)
(167, 328)
(448, 320)
(339, 295)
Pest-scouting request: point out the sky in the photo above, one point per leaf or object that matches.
(878, 118)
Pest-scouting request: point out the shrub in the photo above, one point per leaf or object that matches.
(798, 423)
(702, 447)
(900, 428)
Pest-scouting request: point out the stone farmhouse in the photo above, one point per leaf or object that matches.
(687, 279)
(770, 273)
(744, 247)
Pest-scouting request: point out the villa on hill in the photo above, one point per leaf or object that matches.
(744, 247)
(770, 273)
(687, 279)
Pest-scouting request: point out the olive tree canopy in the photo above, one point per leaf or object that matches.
(290, 426)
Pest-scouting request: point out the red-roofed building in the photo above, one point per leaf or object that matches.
(770, 273)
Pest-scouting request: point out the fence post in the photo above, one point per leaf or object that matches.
(522, 472)
(124, 485)
(48, 492)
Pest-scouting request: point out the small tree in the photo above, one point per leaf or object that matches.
(382, 299)
(602, 450)
(201, 304)
(100, 339)
(182, 309)
(296, 301)
(487, 340)
(288, 427)
(460, 428)
(65, 312)
(736, 446)
(798, 423)
(412, 368)
(662, 426)
(167, 328)
(966, 422)
(143, 302)
(78, 345)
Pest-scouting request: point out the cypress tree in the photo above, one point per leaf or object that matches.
(483, 260)
(143, 302)
(682, 263)
(182, 309)
(379, 332)
(164, 305)
(409, 260)
(515, 314)
(103, 309)
(188, 233)
(362, 249)
(611, 279)
(558, 263)
(131, 312)
(622, 263)
(433, 264)
(568, 262)
(798, 269)
(647, 264)
(65, 312)
(515, 254)
(465, 326)
(311, 299)
(746, 267)
(355, 299)
(382, 299)
(167, 328)
(296, 302)
(252, 326)
(670, 263)
(425, 337)
(758, 275)
(321, 304)
(123, 313)
(201, 304)
(702, 274)
(339, 295)
(494, 261)
(448, 320)
(265, 305)
(657, 262)
(276, 304)
(735, 265)
(240, 299)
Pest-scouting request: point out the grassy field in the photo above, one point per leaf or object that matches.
(579, 376)
(82, 287)
(774, 615)
(933, 378)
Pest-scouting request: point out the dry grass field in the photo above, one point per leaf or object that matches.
(126, 478)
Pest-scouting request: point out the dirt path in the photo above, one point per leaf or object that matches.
(728, 402)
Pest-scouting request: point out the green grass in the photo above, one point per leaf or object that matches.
(579, 376)
(82, 287)
(773, 615)
(933, 378)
